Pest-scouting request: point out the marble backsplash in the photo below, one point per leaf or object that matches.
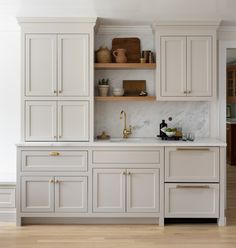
(145, 117)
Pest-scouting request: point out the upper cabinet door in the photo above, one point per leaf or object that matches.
(73, 121)
(173, 66)
(199, 66)
(40, 121)
(73, 65)
(40, 65)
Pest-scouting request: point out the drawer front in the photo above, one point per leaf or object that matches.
(54, 160)
(192, 164)
(7, 197)
(127, 157)
(191, 200)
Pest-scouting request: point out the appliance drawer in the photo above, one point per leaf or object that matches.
(192, 164)
(54, 160)
(127, 156)
(185, 200)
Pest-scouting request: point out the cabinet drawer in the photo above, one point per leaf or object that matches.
(191, 200)
(54, 160)
(192, 164)
(127, 157)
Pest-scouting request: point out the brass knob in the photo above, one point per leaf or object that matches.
(124, 173)
(54, 153)
(51, 181)
(185, 92)
(57, 181)
(129, 173)
(189, 91)
(54, 91)
(60, 91)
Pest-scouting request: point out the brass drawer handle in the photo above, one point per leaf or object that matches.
(54, 154)
(57, 181)
(51, 181)
(192, 186)
(123, 173)
(193, 149)
(129, 173)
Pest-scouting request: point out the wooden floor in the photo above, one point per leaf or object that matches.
(119, 236)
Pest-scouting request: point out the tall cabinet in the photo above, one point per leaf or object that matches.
(57, 79)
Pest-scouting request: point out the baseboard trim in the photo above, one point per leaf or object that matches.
(88, 221)
(8, 216)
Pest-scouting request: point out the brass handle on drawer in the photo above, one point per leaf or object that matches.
(54, 91)
(60, 91)
(185, 92)
(51, 181)
(192, 186)
(54, 153)
(57, 181)
(193, 149)
(189, 91)
(123, 173)
(129, 173)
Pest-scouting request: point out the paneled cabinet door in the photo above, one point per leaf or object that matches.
(73, 65)
(143, 189)
(199, 66)
(109, 190)
(37, 194)
(71, 194)
(41, 65)
(73, 121)
(173, 66)
(40, 118)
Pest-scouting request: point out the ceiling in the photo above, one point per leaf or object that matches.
(125, 11)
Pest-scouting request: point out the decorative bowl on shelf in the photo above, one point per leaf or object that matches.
(118, 91)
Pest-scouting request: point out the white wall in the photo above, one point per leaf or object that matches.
(9, 93)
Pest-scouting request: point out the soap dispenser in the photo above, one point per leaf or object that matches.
(163, 124)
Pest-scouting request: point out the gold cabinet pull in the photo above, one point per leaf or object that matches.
(193, 149)
(189, 91)
(54, 153)
(185, 92)
(54, 91)
(51, 181)
(60, 91)
(57, 181)
(123, 173)
(192, 186)
(129, 173)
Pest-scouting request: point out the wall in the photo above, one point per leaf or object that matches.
(145, 117)
(9, 95)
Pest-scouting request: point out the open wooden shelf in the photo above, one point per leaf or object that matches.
(124, 66)
(125, 98)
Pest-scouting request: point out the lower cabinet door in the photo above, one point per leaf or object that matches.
(37, 194)
(109, 190)
(71, 194)
(143, 190)
(191, 200)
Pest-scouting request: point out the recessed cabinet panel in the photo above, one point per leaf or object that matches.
(143, 190)
(73, 120)
(71, 194)
(40, 120)
(109, 190)
(37, 194)
(173, 66)
(54, 160)
(191, 200)
(40, 62)
(199, 66)
(73, 59)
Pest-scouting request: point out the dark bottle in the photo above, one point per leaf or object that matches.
(163, 124)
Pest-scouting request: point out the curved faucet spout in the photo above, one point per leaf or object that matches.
(126, 131)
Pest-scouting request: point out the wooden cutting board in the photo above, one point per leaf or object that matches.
(134, 87)
(132, 46)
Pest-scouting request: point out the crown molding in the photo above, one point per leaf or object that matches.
(127, 30)
(56, 19)
(214, 23)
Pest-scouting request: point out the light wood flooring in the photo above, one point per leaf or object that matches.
(124, 236)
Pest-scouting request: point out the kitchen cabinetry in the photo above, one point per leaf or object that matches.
(57, 73)
(133, 190)
(57, 65)
(188, 171)
(231, 143)
(57, 120)
(231, 83)
(187, 59)
(49, 194)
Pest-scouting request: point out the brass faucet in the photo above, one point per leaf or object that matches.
(126, 131)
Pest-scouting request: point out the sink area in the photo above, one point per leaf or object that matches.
(126, 140)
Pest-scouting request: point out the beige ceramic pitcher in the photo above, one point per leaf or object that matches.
(120, 56)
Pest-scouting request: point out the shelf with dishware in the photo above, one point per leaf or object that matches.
(125, 98)
(111, 66)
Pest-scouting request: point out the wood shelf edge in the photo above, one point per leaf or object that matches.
(125, 98)
(124, 66)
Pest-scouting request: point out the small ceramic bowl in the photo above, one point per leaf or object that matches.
(170, 134)
(118, 91)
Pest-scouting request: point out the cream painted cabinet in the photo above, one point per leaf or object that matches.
(54, 194)
(57, 65)
(57, 120)
(132, 191)
(186, 66)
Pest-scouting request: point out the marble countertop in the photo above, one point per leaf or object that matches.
(130, 142)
